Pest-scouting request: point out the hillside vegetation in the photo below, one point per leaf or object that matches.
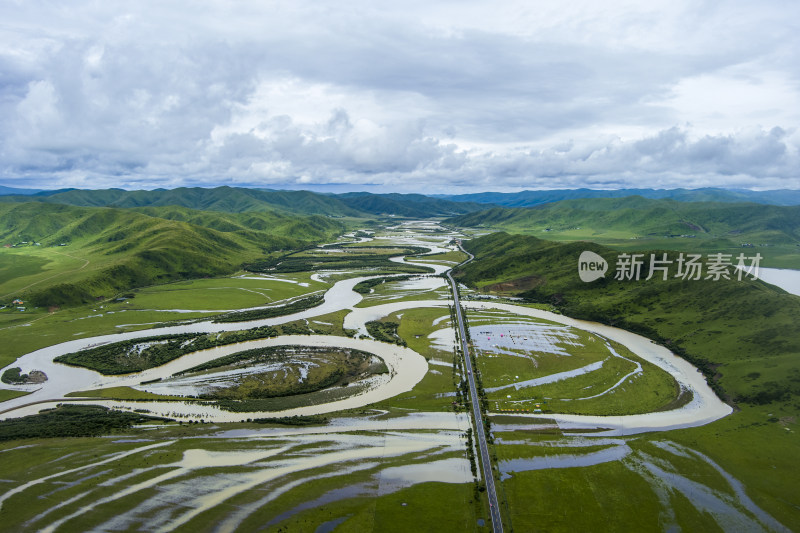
(85, 253)
(642, 216)
(707, 194)
(741, 334)
(241, 200)
(637, 223)
(225, 199)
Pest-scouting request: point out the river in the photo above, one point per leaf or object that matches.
(407, 366)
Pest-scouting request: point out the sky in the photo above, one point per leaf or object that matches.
(431, 97)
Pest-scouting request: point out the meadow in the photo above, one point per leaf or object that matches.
(300, 481)
(145, 308)
(62, 256)
(636, 224)
(739, 334)
(403, 462)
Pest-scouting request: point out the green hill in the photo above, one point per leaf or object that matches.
(225, 199)
(742, 334)
(642, 216)
(637, 223)
(84, 253)
(708, 194)
(250, 224)
(242, 200)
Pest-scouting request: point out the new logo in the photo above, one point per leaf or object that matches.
(591, 266)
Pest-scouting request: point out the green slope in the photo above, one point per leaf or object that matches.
(742, 334)
(225, 199)
(250, 224)
(88, 252)
(709, 194)
(637, 223)
(640, 216)
(242, 200)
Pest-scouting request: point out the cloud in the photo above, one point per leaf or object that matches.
(423, 97)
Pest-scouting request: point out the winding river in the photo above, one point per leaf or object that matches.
(407, 368)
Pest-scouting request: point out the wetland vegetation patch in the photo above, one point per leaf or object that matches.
(277, 371)
(344, 258)
(70, 421)
(135, 355)
(296, 306)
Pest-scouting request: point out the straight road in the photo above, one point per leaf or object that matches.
(483, 448)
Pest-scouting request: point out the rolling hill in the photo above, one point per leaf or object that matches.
(642, 216)
(741, 334)
(710, 194)
(224, 199)
(241, 200)
(84, 253)
(636, 223)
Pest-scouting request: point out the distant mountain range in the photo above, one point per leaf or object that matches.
(12, 190)
(134, 238)
(635, 216)
(531, 198)
(359, 204)
(240, 200)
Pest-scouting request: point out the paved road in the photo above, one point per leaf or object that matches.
(483, 449)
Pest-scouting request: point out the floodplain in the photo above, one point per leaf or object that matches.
(310, 422)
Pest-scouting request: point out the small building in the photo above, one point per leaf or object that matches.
(18, 302)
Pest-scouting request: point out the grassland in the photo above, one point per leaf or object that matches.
(757, 444)
(636, 223)
(123, 393)
(220, 293)
(142, 309)
(375, 258)
(452, 257)
(281, 490)
(430, 507)
(604, 497)
(593, 393)
(399, 291)
(29, 331)
(624, 492)
(429, 394)
(6, 394)
(67, 255)
(739, 333)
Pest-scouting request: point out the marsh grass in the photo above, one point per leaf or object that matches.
(6, 394)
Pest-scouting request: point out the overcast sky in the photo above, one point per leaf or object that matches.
(426, 96)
